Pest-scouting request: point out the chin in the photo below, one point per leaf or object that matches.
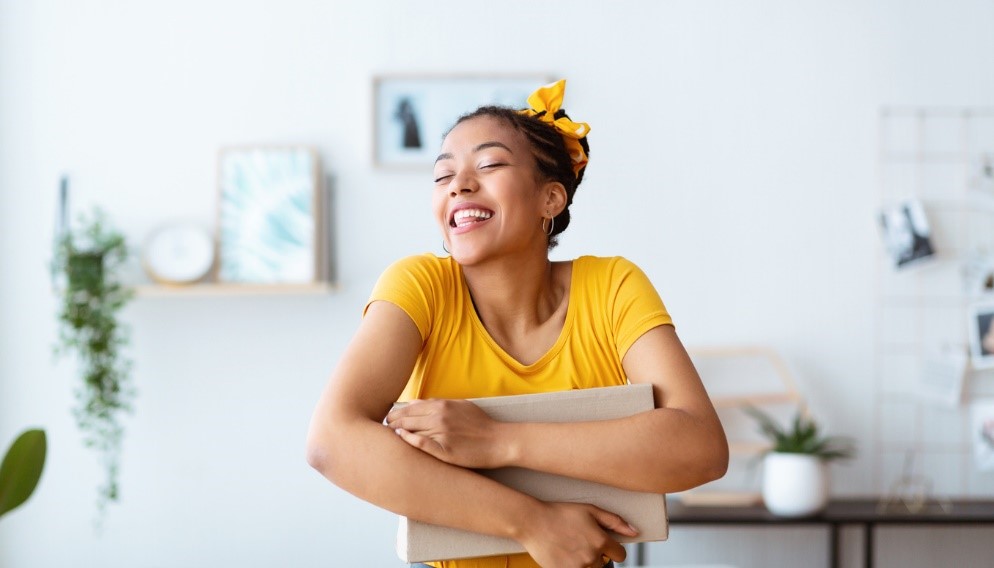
(468, 257)
(465, 259)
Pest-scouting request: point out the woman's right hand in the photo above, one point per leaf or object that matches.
(574, 535)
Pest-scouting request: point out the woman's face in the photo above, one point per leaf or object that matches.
(487, 199)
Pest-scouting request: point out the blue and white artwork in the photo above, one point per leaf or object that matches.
(267, 221)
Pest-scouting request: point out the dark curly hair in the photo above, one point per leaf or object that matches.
(549, 149)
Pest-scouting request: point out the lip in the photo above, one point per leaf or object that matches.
(459, 207)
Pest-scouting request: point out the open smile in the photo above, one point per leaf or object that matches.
(468, 217)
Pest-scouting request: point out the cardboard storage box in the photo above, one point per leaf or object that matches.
(423, 542)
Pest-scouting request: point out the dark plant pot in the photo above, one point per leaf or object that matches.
(85, 270)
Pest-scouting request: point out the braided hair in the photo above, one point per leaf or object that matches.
(549, 150)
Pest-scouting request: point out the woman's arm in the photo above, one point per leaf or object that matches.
(349, 445)
(679, 445)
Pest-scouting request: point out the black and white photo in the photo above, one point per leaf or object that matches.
(981, 323)
(906, 233)
(412, 112)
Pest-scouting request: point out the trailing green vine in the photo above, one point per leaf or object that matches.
(88, 261)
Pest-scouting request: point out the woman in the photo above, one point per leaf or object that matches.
(498, 318)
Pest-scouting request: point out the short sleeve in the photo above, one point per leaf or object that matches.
(635, 305)
(410, 284)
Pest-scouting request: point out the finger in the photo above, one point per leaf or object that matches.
(411, 438)
(614, 550)
(405, 410)
(412, 423)
(416, 408)
(422, 443)
(613, 522)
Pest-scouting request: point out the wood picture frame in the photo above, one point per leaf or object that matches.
(271, 225)
(412, 113)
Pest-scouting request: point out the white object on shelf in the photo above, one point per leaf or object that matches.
(794, 485)
(180, 253)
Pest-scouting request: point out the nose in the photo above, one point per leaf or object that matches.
(462, 184)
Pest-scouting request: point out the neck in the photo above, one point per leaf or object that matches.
(513, 294)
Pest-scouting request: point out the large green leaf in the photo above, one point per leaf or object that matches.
(21, 469)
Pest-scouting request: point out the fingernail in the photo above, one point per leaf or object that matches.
(635, 530)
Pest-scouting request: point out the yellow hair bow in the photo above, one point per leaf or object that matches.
(545, 101)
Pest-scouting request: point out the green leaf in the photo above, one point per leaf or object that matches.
(21, 469)
(802, 437)
(767, 425)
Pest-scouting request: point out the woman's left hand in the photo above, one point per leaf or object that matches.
(454, 431)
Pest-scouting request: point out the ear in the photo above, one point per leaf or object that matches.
(555, 198)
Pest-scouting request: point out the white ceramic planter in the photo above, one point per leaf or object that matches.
(794, 485)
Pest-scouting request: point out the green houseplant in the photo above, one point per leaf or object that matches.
(88, 259)
(21, 469)
(795, 469)
(802, 437)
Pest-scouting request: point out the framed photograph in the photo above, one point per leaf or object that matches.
(982, 335)
(906, 233)
(269, 229)
(413, 113)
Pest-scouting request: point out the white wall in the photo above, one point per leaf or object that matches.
(733, 157)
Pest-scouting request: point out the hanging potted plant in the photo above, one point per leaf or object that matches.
(795, 469)
(87, 260)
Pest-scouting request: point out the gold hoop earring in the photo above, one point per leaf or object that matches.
(552, 226)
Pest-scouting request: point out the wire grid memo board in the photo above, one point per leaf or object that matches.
(941, 160)
(735, 378)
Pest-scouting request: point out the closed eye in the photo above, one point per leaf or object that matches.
(442, 178)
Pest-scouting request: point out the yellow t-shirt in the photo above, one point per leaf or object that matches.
(611, 304)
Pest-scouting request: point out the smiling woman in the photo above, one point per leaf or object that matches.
(497, 317)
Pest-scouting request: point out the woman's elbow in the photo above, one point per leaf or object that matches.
(717, 465)
(714, 462)
(697, 472)
(316, 455)
(708, 464)
(331, 447)
(320, 451)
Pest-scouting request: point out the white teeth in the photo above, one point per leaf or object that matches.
(466, 216)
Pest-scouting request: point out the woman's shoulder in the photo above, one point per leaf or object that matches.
(422, 271)
(609, 275)
(604, 265)
(426, 264)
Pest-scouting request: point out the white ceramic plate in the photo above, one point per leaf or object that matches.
(178, 254)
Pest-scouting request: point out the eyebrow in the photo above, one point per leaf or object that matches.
(484, 146)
